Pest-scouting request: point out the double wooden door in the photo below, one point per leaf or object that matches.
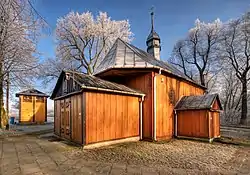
(65, 118)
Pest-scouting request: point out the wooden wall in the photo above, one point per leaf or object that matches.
(32, 111)
(169, 90)
(40, 110)
(26, 112)
(76, 118)
(57, 117)
(68, 117)
(111, 116)
(215, 124)
(166, 87)
(193, 123)
(144, 83)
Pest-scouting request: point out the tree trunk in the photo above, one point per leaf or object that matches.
(244, 102)
(202, 79)
(7, 95)
(1, 97)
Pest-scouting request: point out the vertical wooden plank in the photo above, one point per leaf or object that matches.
(125, 116)
(98, 119)
(112, 108)
(131, 114)
(91, 119)
(119, 105)
(109, 120)
(83, 128)
(87, 121)
(115, 117)
(73, 112)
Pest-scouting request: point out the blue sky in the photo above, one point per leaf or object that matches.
(173, 18)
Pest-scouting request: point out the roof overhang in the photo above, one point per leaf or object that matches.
(145, 69)
(32, 94)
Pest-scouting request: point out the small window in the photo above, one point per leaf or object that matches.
(40, 99)
(27, 98)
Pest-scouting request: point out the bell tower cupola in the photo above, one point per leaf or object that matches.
(153, 41)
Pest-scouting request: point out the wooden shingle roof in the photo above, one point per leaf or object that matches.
(32, 92)
(125, 55)
(94, 83)
(198, 102)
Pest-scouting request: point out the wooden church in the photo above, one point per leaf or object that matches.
(132, 94)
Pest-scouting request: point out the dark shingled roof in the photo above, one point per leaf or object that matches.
(91, 82)
(33, 92)
(125, 55)
(197, 102)
(153, 35)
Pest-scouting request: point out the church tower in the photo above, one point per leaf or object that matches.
(153, 41)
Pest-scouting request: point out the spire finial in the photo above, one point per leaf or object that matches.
(152, 17)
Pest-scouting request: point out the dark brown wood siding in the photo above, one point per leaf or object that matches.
(169, 90)
(111, 116)
(57, 117)
(76, 118)
(71, 87)
(68, 118)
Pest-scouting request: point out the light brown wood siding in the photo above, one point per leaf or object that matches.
(111, 116)
(215, 124)
(32, 110)
(193, 123)
(169, 90)
(144, 83)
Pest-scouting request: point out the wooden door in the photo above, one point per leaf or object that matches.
(65, 118)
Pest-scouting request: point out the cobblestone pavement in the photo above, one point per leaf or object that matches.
(32, 155)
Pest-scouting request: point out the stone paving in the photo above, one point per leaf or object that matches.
(32, 155)
(18, 130)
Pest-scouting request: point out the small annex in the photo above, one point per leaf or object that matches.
(90, 110)
(198, 116)
(32, 106)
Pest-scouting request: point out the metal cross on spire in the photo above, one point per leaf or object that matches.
(152, 17)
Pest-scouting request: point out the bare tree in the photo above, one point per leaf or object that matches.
(19, 28)
(230, 96)
(236, 50)
(86, 39)
(196, 53)
(51, 68)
